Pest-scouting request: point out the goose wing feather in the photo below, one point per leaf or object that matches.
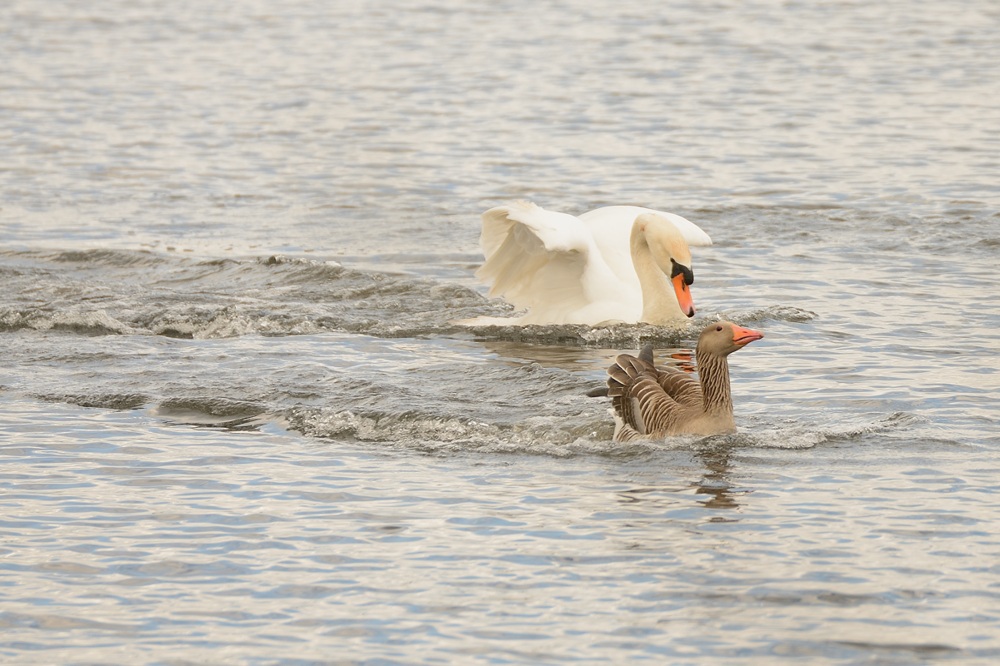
(622, 375)
(637, 397)
(624, 371)
(652, 407)
(679, 385)
(647, 400)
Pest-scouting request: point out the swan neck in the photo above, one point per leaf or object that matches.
(658, 301)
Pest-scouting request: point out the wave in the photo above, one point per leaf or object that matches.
(103, 257)
(571, 426)
(769, 314)
(110, 401)
(902, 425)
(79, 322)
(213, 412)
(113, 292)
(548, 435)
(105, 292)
(443, 434)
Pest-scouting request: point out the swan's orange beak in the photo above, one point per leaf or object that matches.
(744, 336)
(683, 295)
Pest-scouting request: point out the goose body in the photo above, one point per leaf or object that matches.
(613, 264)
(651, 402)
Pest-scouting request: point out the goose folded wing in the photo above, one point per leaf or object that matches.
(622, 376)
(682, 387)
(636, 395)
(652, 410)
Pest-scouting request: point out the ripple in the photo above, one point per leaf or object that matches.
(239, 423)
(122, 401)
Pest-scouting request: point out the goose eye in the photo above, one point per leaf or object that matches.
(718, 328)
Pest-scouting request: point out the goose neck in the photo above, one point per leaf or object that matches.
(713, 371)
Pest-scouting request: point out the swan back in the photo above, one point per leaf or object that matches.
(665, 241)
(615, 222)
(611, 228)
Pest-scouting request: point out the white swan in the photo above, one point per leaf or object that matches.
(613, 264)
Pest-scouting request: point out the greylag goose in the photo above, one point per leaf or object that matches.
(653, 402)
(613, 264)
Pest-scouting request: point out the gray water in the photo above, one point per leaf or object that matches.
(240, 426)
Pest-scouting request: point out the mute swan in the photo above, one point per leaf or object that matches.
(654, 402)
(613, 264)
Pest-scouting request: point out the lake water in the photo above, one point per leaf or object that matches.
(239, 426)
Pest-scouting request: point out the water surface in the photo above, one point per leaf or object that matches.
(240, 424)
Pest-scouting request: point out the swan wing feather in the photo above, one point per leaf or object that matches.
(535, 258)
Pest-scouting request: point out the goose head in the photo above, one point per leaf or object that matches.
(670, 253)
(724, 337)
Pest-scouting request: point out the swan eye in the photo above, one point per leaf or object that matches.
(676, 269)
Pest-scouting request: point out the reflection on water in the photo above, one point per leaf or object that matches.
(713, 488)
(569, 358)
(716, 482)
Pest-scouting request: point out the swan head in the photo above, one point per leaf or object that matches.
(724, 337)
(671, 253)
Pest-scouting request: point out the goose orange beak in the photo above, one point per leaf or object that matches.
(744, 336)
(683, 295)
